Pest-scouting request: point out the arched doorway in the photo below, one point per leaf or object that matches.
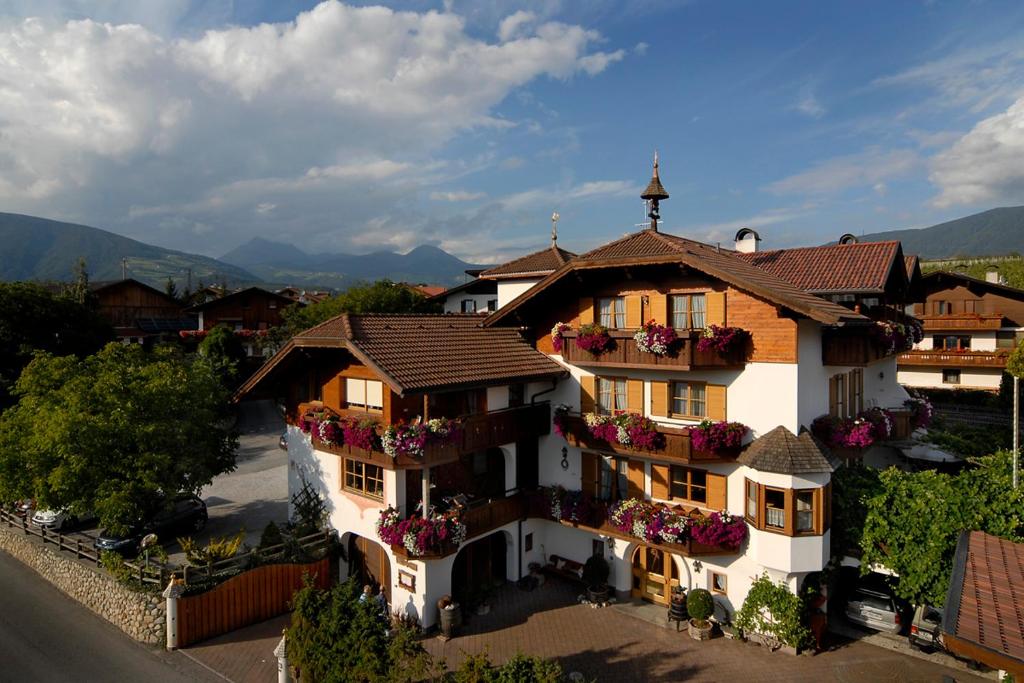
(654, 574)
(369, 562)
(479, 567)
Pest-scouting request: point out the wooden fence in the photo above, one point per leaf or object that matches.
(253, 596)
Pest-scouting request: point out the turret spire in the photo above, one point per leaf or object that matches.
(654, 193)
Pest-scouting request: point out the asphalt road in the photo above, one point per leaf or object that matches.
(46, 636)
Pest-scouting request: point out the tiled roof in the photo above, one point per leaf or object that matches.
(650, 247)
(538, 263)
(783, 452)
(419, 352)
(911, 264)
(986, 595)
(255, 291)
(859, 267)
(429, 290)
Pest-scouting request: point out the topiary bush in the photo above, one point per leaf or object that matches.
(595, 571)
(700, 605)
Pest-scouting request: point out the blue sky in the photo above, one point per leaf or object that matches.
(198, 125)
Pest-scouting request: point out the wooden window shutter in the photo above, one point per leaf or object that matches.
(636, 479)
(790, 512)
(715, 314)
(826, 507)
(634, 304)
(635, 396)
(833, 396)
(717, 499)
(586, 311)
(715, 394)
(588, 473)
(818, 513)
(659, 481)
(588, 391)
(658, 308)
(659, 398)
(760, 506)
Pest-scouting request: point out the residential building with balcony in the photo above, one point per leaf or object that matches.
(547, 430)
(970, 327)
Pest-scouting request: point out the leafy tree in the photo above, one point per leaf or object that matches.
(33, 319)
(772, 609)
(382, 296)
(223, 351)
(79, 291)
(852, 487)
(114, 433)
(171, 289)
(1015, 363)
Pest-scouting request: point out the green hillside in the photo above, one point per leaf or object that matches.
(1011, 269)
(42, 249)
(992, 232)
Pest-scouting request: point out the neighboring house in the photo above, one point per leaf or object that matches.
(524, 450)
(970, 325)
(303, 296)
(140, 314)
(474, 296)
(515, 277)
(250, 312)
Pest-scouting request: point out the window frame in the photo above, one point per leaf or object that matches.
(812, 530)
(360, 476)
(712, 575)
(463, 305)
(364, 407)
(617, 312)
(784, 508)
(687, 482)
(748, 486)
(950, 371)
(689, 400)
(614, 393)
(673, 296)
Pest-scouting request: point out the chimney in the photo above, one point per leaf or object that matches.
(747, 241)
(992, 275)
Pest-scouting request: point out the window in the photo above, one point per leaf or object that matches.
(943, 308)
(751, 500)
(951, 342)
(597, 547)
(774, 508)
(856, 390)
(516, 395)
(1006, 340)
(689, 399)
(951, 376)
(718, 583)
(364, 479)
(611, 396)
(469, 305)
(805, 511)
(689, 484)
(528, 542)
(688, 311)
(613, 478)
(612, 312)
(492, 305)
(273, 304)
(364, 394)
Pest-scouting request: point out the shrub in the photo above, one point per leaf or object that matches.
(700, 605)
(271, 536)
(772, 609)
(216, 550)
(595, 571)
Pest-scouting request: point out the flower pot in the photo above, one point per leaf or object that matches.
(597, 594)
(700, 631)
(451, 620)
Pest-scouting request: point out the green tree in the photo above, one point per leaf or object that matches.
(382, 296)
(1015, 363)
(852, 487)
(113, 432)
(223, 352)
(171, 289)
(33, 319)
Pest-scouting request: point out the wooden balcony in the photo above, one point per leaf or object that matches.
(678, 447)
(600, 524)
(478, 432)
(625, 354)
(961, 321)
(480, 517)
(853, 346)
(954, 359)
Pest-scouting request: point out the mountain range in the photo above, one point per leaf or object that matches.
(989, 233)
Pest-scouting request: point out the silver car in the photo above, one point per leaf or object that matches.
(874, 610)
(57, 520)
(925, 628)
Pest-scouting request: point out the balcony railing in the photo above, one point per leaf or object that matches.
(625, 354)
(477, 432)
(678, 446)
(955, 359)
(962, 321)
(480, 517)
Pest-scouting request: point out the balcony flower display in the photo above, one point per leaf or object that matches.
(654, 338)
(570, 506)
(649, 522)
(420, 536)
(921, 412)
(412, 438)
(719, 529)
(863, 431)
(558, 420)
(557, 340)
(896, 337)
(722, 339)
(329, 430)
(628, 429)
(713, 437)
(360, 433)
(880, 420)
(593, 338)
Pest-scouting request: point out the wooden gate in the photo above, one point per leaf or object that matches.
(256, 595)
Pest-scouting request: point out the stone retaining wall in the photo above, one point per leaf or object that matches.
(140, 615)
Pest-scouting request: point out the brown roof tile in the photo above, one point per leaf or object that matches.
(859, 267)
(538, 263)
(783, 452)
(419, 352)
(985, 605)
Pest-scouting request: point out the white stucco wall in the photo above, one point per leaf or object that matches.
(975, 378)
(510, 289)
(453, 303)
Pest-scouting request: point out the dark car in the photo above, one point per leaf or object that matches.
(185, 513)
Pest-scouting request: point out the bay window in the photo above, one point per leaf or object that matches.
(804, 511)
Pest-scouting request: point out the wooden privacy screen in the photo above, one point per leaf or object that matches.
(249, 598)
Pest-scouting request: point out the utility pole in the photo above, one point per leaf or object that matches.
(1016, 430)
(124, 268)
(188, 285)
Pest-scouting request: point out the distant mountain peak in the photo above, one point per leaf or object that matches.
(987, 233)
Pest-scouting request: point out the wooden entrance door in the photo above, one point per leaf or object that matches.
(654, 574)
(370, 563)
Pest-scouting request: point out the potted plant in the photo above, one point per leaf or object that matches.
(595, 576)
(701, 606)
(451, 616)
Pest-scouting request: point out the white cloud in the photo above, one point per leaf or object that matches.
(726, 230)
(512, 25)
(864, 169)
(265, 207)
(640, 48)
(554, 196)
(808, 104)
(985, 164)
(457, 196)
(112, 123)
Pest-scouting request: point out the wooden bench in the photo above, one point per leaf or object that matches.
(565, 568)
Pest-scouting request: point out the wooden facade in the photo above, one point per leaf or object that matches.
(249, 309)
(624, 354)
(126, 302)
(950, 295)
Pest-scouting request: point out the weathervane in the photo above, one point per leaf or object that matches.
(554, 227)
(654, 193)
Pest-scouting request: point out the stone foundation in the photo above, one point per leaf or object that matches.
(140, 615)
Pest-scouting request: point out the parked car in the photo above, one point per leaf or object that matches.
(874, 607)
(282, 442)
(925, 628)
(186, 513)
(23, 508)
(58, 520)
